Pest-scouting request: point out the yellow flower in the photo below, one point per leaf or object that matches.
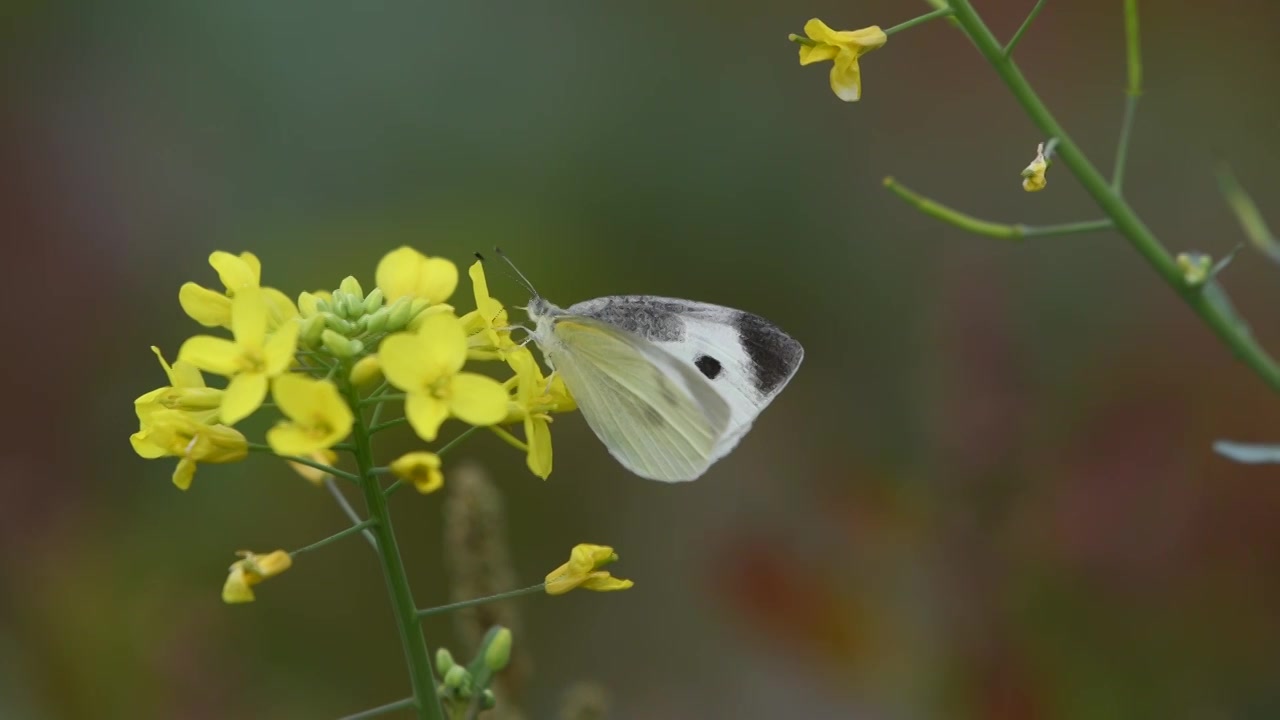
(426, 364)
(583, 570)
(318, 416)
(1033, 179)
(420, 468)
(315, 476)
(535, 397)
(486, 326)
(405, 272)
(186, 391)
(174, 433)
(250, 571)
(250, 360)
(843, 47)
(366, 370)
(213, 309)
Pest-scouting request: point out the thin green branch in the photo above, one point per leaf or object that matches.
(335, 537)
(421, 674)
(1210, 306)
(509, 439)
(1133, 91)
(381, 398)
(1022, 29)
(379, 427)
(482, 601)
(939, 13)
(260, 447)
(350, 512)
(1247, 213)
(404, 704)
(1000, 231)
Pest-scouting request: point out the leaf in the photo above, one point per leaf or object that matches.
(1248, 453)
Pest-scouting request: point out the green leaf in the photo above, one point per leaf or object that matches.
(1250, 454)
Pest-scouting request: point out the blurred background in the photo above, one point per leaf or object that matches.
(989, 492)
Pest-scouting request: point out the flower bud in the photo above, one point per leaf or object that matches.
(374, 301)
(312, 327)
(488, 700)
(399, 314)
(338, 325)
(458, 680)
(498, 652)
(339, 345)
(1195, 267)
(377, 322)
(444, 661)
(366, 370)
(351, 287)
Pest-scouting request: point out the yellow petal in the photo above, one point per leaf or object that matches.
(142, 445)
(216, 355)
(254, 265)
(604, 582)
(400, 356)
(420, 468)
(819, 31)
(365, 371)
(234, 272)
(278, 352)
(288, 438)
(846, 79)
(236, 589)
(479, 285)
(445, 346)
(439, 279)
(280, 309)
(425, 414)
(243, 396)
(810, 54)
(476, 399)
(184, 473)
(209, 308)
(315, 476)
(249, 318)
(405, 272)
(538, 437)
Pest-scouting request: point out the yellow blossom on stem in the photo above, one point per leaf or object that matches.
(318, 416)
(237, 272)
(313, 475)
(843, 48)
(420, 468)
(534, 398)
(486, 326)
(405, 272)
(251, 570)
(426, 364)
(1033, 176)
(250, 361)
(583, 571)
(174, 433)
(186, 391)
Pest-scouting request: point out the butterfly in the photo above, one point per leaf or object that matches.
(669, 386)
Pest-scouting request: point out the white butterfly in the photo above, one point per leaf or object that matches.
(669, 386)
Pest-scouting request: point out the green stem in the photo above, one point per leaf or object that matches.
(939, 13)
(404, 704)
(259, 447)
(350, 512)
(1133, 57)
(381, 398)
(1228, 327)
(509, 439)
(421, 675)
(335, 537)
(1001, 231)
(1017, 36)
(540, 587)
(374, 429)
(395, 486)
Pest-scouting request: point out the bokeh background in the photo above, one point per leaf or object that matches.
(989, 492)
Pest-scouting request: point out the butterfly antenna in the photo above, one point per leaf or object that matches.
(518, 276)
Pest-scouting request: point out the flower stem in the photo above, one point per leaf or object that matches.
(1017, 36)
(350, 512)
(421, 675)
(1133, 91)
(940, 12)
(1000, 231)
(381, 709)
(540, 587)
(335, 537)
(1228, 327)
(259, 447)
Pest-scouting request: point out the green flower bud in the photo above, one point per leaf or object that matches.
(339, 325)
(312, 327)
(357, 347)
(444, 661)
(458, 680)
(339, 303)
(1195, 268)
(351, 287)
(417, 306)
(373, 301)
(498, 651)
(488, 700)
(399, 314)
(339, 345)
(377, 322)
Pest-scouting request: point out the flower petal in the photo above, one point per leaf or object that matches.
(280, 309)
(846, 78)
(426, 414)
(537, 436)
(445, 348)
(141, 442)
(401, 358)
(278, 352)
(234, 272)
(244, 395)
(289, 438)
(604, 582)
(249, 318)
(438, 280)
(810, 54)
(820, 31)
(184, 473)
(236, 589)
(476, 399)
(209, 308)
(216, 355)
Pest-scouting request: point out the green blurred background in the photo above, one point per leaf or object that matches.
(989, 492)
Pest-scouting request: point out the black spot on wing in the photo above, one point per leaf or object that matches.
(774, 354)
(708, 366)
(650, 318)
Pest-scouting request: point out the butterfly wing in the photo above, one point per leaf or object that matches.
(657, 416)
(744, 357)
